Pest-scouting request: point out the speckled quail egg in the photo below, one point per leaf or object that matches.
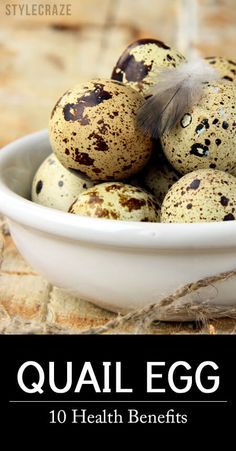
(93, 130)
(118, 201)
(55, 186)
(203, 195)
(141, 62)
(225, 67)
(159, 178)
(205, 137)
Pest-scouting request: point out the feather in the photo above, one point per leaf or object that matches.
(175, 91)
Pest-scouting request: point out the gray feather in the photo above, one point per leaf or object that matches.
(173, 94)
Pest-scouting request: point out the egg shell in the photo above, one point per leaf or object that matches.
(204, 195)
(225, 67)
(117, 201)
(55, 186)
(93, 130)
(205, 137)
(141, 62)
(159, 178)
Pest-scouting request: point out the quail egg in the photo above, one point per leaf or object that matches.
(115, 200)
(203, 195)
(92, 129)
(226, 68)
(55, 186)
(159, 178)
(141, 61)
(205, 137)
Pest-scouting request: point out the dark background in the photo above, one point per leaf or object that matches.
(133, 352)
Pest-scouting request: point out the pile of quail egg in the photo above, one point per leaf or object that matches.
(104, 166)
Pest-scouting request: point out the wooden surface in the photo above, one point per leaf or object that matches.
(42, 56)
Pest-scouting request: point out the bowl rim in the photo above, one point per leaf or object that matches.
(181, 236)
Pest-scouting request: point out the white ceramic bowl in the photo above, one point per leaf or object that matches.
(115, 264)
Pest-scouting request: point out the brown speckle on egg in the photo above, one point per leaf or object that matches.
(93, 130)
(229, 217)
(224, 66)
(194, 184)
(75, 111)
(55, 186)
(131, 203)
(142, 60)
(203, 195)
(117, 201)
(209, 140)
(38, 187)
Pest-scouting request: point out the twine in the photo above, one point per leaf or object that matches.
(141, 319)
(170, 305)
